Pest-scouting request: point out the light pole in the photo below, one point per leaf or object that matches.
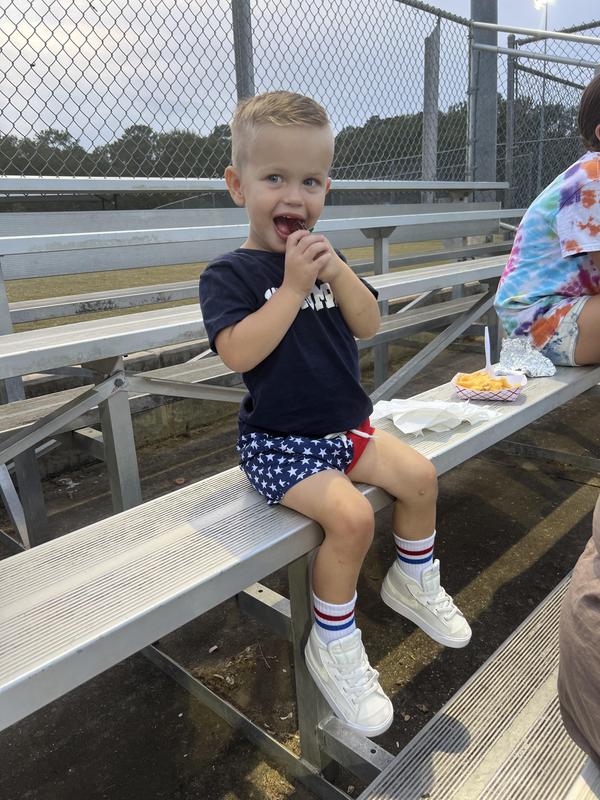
(539, 5)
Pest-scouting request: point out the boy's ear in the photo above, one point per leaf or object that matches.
(328, 185)
(234, 185)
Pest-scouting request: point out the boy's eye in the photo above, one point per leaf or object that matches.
(311, 182)
(273, 178)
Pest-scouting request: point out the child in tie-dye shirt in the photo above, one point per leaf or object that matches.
(550, 288)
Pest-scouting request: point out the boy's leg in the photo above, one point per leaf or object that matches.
(412, 585)
(335, 656)
(587, 349)
(347, 518)
(406, 475)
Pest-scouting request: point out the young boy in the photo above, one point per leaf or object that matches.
(284, 310)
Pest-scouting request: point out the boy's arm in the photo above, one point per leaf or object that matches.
(357, 303)
(244, 345)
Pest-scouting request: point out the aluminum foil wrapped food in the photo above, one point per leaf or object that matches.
(517, 355)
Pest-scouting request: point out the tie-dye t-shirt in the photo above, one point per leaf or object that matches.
(550, 265)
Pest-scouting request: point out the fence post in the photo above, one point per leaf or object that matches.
(483, 93)
(431, 81)
(242, 45)
(540, 159)
(510, 123)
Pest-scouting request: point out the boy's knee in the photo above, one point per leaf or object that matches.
(421, 483)
(353, 522)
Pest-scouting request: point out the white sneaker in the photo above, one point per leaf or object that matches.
(343, 675)
(426, 604)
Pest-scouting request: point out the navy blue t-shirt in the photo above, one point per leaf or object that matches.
(310, 384)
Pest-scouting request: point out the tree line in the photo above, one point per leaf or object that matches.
(386, 148)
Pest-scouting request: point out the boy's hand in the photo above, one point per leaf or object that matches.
(306, 255)
(332, 268)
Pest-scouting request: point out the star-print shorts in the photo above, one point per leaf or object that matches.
(560, 349)
(273, 464)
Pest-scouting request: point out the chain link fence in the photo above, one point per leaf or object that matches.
(546, 103)
(101, 87)
(146, 88)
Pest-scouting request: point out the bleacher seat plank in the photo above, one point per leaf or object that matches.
(167, 239)
(94, 302)
(104, 592)
(448, 274)
(391, 327)
(500, 737)
(430, 318)
(440, 276)
(25, 412)
(78, 342)
(450, 448)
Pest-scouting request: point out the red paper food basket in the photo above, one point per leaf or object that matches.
(516, 378)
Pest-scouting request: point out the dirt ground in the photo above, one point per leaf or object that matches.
(509, 530)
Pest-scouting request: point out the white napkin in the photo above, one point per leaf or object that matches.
(413, 416)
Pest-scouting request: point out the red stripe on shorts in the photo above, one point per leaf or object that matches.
(359, 442)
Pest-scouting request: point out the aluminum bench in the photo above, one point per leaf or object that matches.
(29, 264)
(39, 422)
(44, 422)
(77, 605)
(95, 348)
(112, 300)
(19, 414)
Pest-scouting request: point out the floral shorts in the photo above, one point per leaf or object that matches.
(273, 464)
(560, 349)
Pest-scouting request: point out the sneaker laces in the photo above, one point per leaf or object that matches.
(442, 604)
(361, 680)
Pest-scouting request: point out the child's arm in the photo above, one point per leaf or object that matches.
(357, 303)
(244, 345)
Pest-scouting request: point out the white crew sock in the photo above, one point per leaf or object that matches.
(414, 556)
(334, 621)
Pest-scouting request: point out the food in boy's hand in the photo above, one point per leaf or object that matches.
(482, 382)
(292, 224)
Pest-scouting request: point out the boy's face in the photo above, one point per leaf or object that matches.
(282, 182)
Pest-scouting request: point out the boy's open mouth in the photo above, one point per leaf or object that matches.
(288, 225)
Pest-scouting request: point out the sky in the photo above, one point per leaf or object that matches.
(522, 13)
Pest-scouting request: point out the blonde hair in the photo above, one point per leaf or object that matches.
(272, 108)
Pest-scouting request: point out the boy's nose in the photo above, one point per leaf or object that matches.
(293, 195)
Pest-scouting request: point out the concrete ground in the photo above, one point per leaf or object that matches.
(509, 529)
